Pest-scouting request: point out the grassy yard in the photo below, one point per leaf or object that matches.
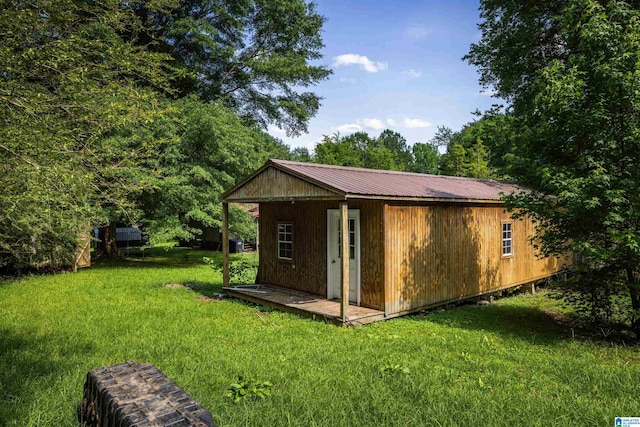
(506, 364)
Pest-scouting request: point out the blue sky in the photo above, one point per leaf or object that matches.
(397, 65)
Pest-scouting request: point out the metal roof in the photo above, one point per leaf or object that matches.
(390, 184)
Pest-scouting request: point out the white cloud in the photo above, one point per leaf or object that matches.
(391, 122)
(372, 123)
(349, 128)
(364, 62)
(417, 32)
(412, 73)
(347, 80)
(416, 123)
(275, 129)
(311, 145)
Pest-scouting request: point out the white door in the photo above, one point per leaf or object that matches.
(334, 260)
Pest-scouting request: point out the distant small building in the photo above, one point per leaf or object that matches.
(211, 237)
(414, 241)
(129, 237)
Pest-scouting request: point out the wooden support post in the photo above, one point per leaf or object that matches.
(225, 244)
(344, 244)
(529, 287)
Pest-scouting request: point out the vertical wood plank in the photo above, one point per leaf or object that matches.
(225, 244)
(344, 243)
(439, 252)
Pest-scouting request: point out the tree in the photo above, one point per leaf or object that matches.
(68, 80)
(301, 154)
(454, 160)
(337, 150)
(570, 72)
(442, 137)
(210, 150)
(397, 146)
(425, 158)
(477, 165)
(389, 151)
(253, 55)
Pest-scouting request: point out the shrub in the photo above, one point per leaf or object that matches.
(247, 388)
(242, 271)
(598, 297)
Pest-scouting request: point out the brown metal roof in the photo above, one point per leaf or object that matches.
(390, 184)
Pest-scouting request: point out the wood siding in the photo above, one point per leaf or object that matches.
(437, 253)
(83, 251)
(308, 270)
(274, 184)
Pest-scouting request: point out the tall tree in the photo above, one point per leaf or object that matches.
(301, 154)
(570, 71)
(253, 55)
(397, 145)
(442, 137)
(211, 149)
(388, 151)
(68, 79)
(337, 150)
(454, 161)
(477, 164)
(425, 158)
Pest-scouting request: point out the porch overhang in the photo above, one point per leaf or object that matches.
(271, 183)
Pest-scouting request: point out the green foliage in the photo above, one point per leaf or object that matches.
(68, 81)
(454, 160)
(394, 370)
(477, 165)
(570, 72)
(301, 154)
(425, 158)
(600, 298)
(210, 150)
(242, 270)
(478, 149)
(247, 388)
(388, 152)
(338, 150)
(253, 55)
(396, 145)
(89, 137)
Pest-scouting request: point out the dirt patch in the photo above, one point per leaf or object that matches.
(174, 285)
(561, 318)
(208, 299)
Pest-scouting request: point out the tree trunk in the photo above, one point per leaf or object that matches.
(108, 245)
(633, 282)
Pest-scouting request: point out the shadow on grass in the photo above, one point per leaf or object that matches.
(28, 360)
(183, 258)
(174, 258)
(143, 264)
(516, 322)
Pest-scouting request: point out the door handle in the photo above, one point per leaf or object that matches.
(333, 261)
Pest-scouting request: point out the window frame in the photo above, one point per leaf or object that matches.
(508, 239)
(290, 242)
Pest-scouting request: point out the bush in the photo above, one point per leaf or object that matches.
(242, 271)
(600, 298)
(246, 388)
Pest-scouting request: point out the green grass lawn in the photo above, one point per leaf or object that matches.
(505, 364)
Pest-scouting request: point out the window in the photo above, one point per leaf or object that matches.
(507, 239)
(285, 241)
(352, 239)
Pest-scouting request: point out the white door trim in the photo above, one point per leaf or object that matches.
(353, 214)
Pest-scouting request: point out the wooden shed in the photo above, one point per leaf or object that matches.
(414, 241)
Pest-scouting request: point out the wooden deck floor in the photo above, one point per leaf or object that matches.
(304, 304)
